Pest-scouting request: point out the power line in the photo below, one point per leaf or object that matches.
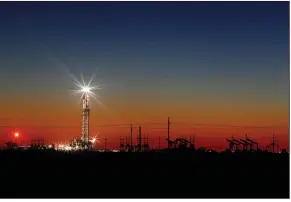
(137, 125)
(68, 126)
(225, 125)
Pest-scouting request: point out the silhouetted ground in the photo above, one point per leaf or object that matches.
(143, 175)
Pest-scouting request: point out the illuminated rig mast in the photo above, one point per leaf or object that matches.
(85, 118)
(87, 91)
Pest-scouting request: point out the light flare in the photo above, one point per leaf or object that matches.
(16, 135)
(95, 139)
(85, 89)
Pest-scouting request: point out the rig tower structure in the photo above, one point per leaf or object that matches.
(85, 118)
(86, 91)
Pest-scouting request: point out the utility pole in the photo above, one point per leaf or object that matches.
(130, 137)
(159, 142)
(273, 143)
(169, 132)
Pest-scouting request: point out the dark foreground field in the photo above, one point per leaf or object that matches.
(143, 175)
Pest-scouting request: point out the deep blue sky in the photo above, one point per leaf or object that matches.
(212, 52)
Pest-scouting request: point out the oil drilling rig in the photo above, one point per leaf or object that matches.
(85, 117)
(86, 91)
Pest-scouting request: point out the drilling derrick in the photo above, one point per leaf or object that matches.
(86, 91)
(85, 118)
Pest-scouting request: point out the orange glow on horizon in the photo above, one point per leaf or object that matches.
(58, 123)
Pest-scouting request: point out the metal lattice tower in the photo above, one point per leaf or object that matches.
(85, 118)
(86, 90)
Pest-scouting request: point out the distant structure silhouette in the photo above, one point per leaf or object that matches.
(169, 132)
(142, 143)
(122, 146)
(11, 145)
(131, 137)
(273, 144)
(139, 140)
(233, 146)
(252, 143)
(145, 144)
(37, 144)
(181, 143)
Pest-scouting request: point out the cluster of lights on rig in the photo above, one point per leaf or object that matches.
(69, 147)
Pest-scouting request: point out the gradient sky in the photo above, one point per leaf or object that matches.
(197, 62)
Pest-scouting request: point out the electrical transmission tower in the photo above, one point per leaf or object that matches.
(274, 143)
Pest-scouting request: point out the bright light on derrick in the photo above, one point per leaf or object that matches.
(86, 89)
(86, 92)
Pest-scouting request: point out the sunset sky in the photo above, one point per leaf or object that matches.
(196, 62)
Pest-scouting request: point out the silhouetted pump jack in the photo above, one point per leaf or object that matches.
(181, 143)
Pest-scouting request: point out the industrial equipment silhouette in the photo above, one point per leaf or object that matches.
(273, 144)
(243, 144)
